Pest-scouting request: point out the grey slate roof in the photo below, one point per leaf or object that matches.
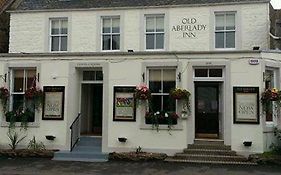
(86, 4)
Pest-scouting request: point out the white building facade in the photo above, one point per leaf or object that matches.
(90, 52)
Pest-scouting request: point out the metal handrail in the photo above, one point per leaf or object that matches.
(75, 131)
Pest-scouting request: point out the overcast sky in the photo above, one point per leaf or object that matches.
(276, 4)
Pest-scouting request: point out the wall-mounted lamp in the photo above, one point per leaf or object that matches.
(179, 76)
(143, 78)
(4, 77)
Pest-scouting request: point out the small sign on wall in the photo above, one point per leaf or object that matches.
(124, 103)
(246, 105)
(53, 106)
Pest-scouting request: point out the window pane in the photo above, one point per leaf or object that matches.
(115, 42)
(150, 41)
(89, 75)
(168, 104)
(55, 43)
(201, 72)
(18, 80)
(155, 80)
(219, 39)
(219, 22)
(106, 42)
(215, 72)
(115, 25)
(55, 27)
(31, 78)
(169, 80)
(150, 24)
(230, 21)
(156, 103)
(230, 39)
(160, 24)
(159, 41)
(64, 27)
(18, 102)
(99, 75)
(63, 43)
(106, 25)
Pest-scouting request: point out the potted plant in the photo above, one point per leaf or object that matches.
(35, 95)
(4, 96)
(268, 96)
(183, 96)
(161, 118)
(142, 92)
(20, 115)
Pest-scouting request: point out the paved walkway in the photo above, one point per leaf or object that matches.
(48, 167)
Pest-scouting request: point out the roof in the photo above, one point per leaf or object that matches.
(88, 4)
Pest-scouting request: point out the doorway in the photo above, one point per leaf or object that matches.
(207, 110)
(91, 109)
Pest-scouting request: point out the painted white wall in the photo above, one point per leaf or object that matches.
(29, 31)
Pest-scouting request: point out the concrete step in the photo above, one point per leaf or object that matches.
(210, 157)
(209, 146)
(86, 149)
(67, 155)
(209, 141)
(210, 162)
(209, 152)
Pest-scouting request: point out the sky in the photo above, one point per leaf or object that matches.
(276, 4)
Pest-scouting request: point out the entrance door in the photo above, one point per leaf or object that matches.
(91, 109)
(207, 110)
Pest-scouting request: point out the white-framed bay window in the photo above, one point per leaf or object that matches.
(110, 33)
(21, 79)
(225, 30)
(161, 80)
(154, 32)
(58, 34)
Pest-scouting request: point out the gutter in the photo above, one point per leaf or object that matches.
(135, 7)
(274, 37)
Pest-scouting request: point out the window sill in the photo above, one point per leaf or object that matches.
(161, 127)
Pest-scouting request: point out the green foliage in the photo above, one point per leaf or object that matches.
(34, 145)
(15, 139)
(138, 150)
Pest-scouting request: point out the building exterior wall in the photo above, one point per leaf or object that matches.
(29, 31)
(64, 71)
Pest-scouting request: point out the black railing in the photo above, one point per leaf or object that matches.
(75, 131)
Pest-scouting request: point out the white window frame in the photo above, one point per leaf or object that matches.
(154, 32)
(58, 35)
(162, 93)
(225, 30)
(274, 110)
(111, 33)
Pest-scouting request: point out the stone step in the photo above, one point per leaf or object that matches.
(209, 141)
(86, 148)
(210, 157)
(209, 162)
(67, 155)
(209, 152)
(209, 146)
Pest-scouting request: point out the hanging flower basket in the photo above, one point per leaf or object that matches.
(4, 96)
(179, 94)
(268, 96)
(35, 95)
(142, 92)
